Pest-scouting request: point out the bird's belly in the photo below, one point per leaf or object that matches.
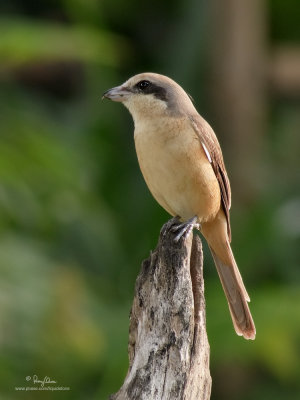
(179, 174)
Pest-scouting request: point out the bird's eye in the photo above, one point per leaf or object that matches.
(142, 85)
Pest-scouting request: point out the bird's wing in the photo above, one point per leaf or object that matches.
(213, 152)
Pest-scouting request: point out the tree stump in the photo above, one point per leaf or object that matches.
(168, 346)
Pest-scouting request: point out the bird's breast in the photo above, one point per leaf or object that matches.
(176, 168)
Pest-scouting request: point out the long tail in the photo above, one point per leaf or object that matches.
(237, 298)
(235, 291)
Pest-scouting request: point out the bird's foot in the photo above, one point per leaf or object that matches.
(169, 225)
(185, 228)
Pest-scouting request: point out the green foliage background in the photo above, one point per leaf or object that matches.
(76, 218)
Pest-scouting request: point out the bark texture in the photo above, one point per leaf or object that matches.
(168, 347)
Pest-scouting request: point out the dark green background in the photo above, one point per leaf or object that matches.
(76, 218)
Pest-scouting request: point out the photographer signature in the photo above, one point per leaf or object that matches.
(35, 379)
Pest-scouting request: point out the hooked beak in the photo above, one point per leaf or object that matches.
(118, 93)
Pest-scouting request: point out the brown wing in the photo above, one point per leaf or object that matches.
(213, 151)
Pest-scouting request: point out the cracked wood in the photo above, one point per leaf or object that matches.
(168, 347)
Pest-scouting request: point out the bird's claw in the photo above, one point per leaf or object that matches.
(185, 228)
(169, 225)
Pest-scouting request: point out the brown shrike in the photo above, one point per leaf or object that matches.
(182, 163)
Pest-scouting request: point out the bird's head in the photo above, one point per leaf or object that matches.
(149, 95)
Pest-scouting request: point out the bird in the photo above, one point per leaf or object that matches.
(182, 163)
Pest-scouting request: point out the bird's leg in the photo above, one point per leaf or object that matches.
(185, 228)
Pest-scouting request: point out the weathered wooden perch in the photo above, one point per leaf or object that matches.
(168, 346)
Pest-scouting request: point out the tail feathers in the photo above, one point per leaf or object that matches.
(237, 297)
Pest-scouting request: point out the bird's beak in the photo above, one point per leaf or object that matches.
(118, 93)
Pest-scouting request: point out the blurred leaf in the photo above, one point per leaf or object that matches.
(25, 40)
